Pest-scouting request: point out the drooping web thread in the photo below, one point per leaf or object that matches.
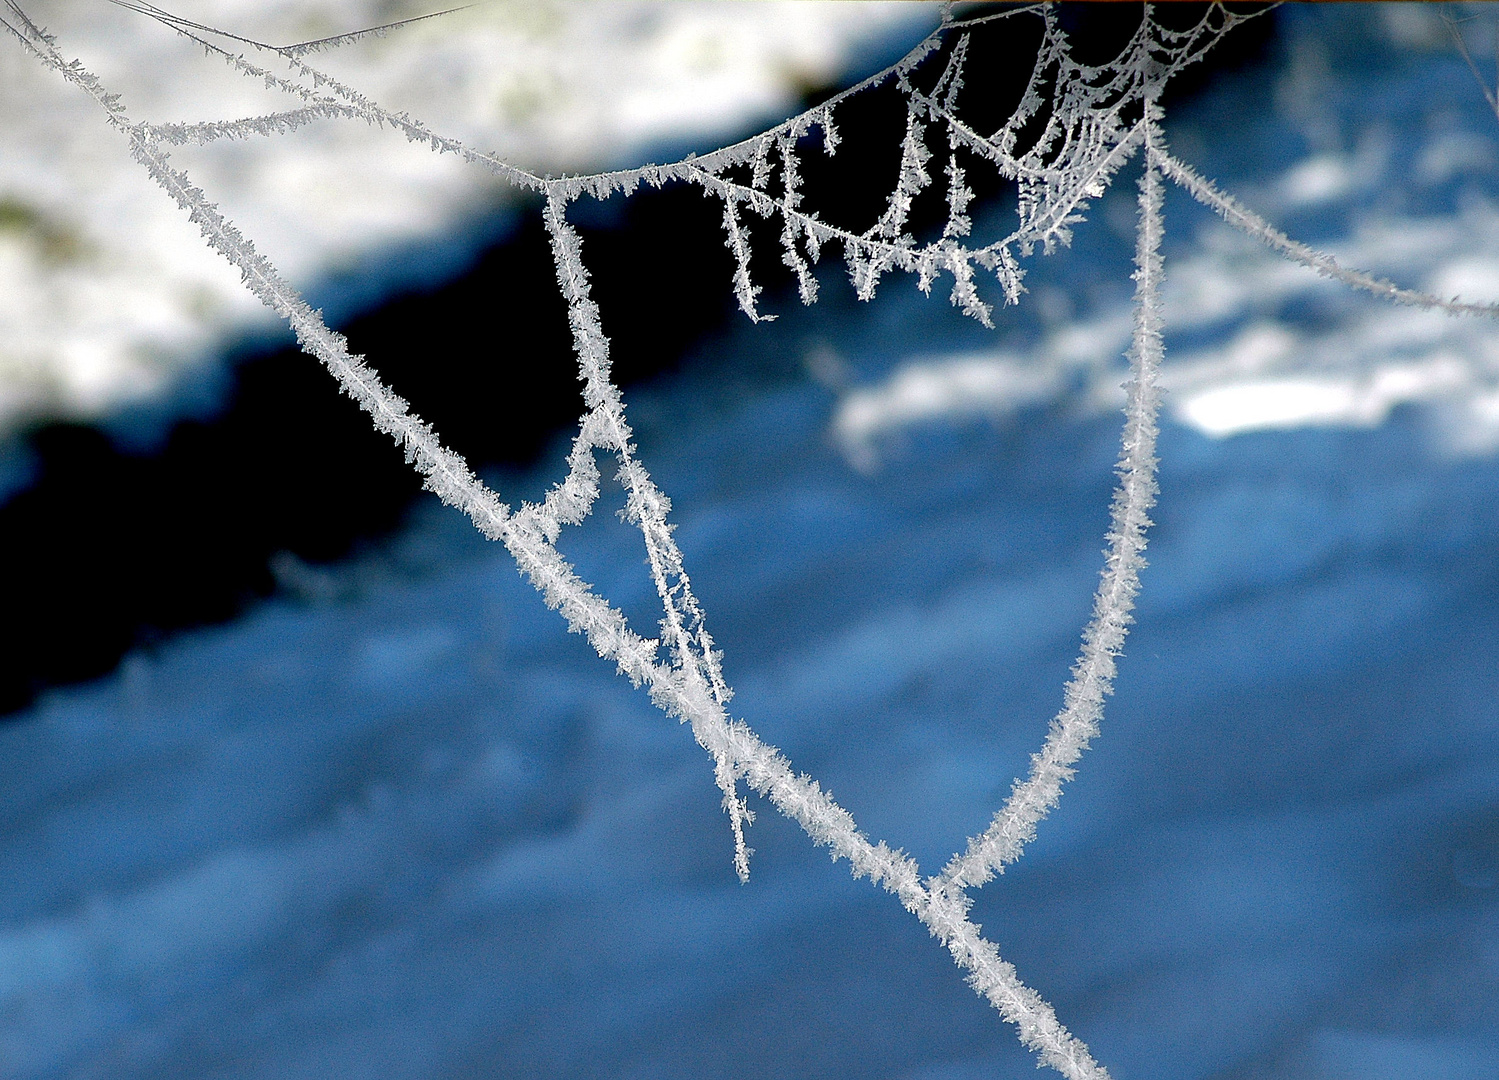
(1074, 128)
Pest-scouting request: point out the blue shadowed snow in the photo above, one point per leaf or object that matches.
(420, 831)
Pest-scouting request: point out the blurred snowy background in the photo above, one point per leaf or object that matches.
(397, 823)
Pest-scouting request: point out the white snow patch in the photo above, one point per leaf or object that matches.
(918, 392)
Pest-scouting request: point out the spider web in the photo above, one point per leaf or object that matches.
(1075, 126)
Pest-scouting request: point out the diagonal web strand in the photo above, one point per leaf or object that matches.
(1251, 224)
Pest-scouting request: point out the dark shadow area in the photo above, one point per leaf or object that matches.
(112, 549)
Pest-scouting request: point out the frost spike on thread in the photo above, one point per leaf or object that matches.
(910, 180)
(806, 281)
(760, 167)
(737, 242)
(959, 195)
(830, 136)
(791, 227)
(964, 295)
(951, 79)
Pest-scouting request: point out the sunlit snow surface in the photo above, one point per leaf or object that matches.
(110, 295)
(405, 826)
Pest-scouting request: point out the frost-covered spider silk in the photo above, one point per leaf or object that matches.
(1074, 128)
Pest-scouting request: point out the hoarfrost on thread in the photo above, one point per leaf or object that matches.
(1075, 126)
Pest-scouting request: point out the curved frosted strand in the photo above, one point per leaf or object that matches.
(1076, 724)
